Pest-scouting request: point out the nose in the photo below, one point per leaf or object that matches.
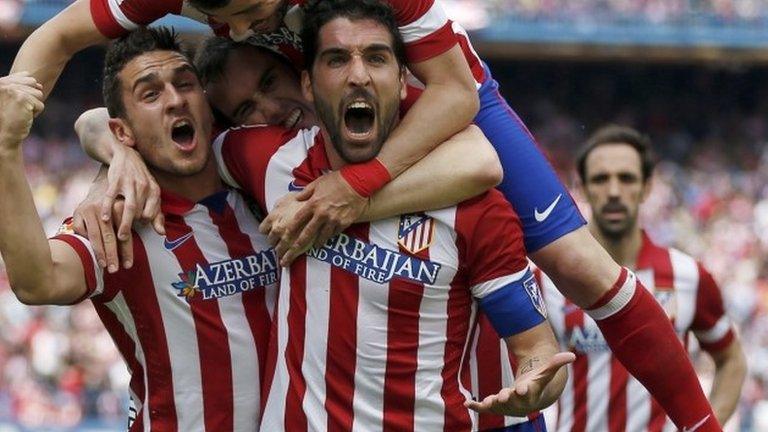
(614, 187)
(358, 72)
(271, 110)
(173, 98)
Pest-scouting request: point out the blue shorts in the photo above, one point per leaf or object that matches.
(530, 184)
(535, 425)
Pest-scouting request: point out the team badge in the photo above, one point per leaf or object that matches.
(66, 228)
(416, 232)
(532, 289)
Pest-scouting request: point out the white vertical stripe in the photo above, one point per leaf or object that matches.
(221, 164)
(372, 321)
(243, 355)
(686, 285)
(565, 406)
(122, 312)
(281, 165)
(599, 387)
(638, 406)
(119, 16)
(425, 25)
(97, 270)
(316, 342)
(556, 316)
(180, 334)
(274, 411)
(433, 321)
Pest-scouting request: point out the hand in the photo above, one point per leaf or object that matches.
(129, 177)
(330, 205)
(86, 221)
(276, 227)
(527, 394)
(21, 98)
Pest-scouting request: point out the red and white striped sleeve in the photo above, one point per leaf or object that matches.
(94, 274)
(425, 27)
(244, 153)
(114, 18)
(710, 325)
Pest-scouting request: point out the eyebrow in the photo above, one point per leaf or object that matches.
(377, 47)
(153, 76)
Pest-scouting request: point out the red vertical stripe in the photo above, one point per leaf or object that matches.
(254, 301)
(617, 402)
(295, 418)
(658, 416)
(459, 306)
(575, 320)
(213, 345)
(342, 343)
(404, 303)
(138, 288)
(488, 369)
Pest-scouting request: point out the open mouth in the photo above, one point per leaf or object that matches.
(293, 119)
(183, 134)
(359, 118)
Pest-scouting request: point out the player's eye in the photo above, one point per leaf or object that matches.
(243, 112)
(150, 95)
(598, 179)
(268, 83)
(628, 178)
(377, 59)
(337, 60)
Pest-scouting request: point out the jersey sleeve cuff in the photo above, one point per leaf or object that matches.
(104, 20)
(717, 337)
(432, 45)
(93, 273)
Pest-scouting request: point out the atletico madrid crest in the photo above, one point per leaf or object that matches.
(416, 232)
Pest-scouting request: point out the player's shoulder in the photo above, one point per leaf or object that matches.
(491, 201)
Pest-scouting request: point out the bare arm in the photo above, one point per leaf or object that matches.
(730, 370)
(39, 272)
(464, 166)
(48, 49)
(448, 105)
(95, 137)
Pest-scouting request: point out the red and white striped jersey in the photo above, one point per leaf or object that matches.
(426, 29)
(491, 367)
(371, 328)
(192, 317)
(600, 394)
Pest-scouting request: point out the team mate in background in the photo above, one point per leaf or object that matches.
(615, 168)
(266, 80)
(441, 57)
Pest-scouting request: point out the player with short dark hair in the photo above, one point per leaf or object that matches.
(615, 166)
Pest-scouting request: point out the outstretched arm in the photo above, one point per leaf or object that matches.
(540, 376)
(730, 370)
(39, 272)
(48, 49)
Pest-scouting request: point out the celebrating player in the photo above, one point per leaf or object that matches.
(615, 168)
(441, 57)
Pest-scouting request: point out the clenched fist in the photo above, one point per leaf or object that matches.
(21, 98)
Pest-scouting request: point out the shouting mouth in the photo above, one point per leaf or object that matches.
(183, 134)
(359, 120)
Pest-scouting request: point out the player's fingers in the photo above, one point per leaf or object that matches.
(78, 224)
(307, 233)
(275, 234)
(93, 230)
(158, 223)
(109, 199)
(306, 193)
(152, 204)
(126, 252)
(282, 247)
(110, 245)
(326, 232)
(266, 225)
(128, 213)
(504, 395)
(141, 190)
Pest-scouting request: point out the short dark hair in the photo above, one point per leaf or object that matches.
(211, 57)
(209, 4)
(125, 49)
(318, 13)
(615, 134)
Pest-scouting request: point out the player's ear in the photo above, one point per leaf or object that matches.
(122, 132)
(306, 86)
(646, 188)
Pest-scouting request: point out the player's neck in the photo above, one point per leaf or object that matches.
(193, 187)
(623, 249)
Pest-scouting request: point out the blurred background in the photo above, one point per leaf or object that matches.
(693, 74)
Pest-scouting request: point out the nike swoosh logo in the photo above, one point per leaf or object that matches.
(173, 244)
(697, 425)
(293, 188)
(541, 217)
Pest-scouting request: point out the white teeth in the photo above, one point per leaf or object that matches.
(363, 105)
(291, 121)
(181, 123)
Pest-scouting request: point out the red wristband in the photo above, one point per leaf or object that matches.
(366, 178)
